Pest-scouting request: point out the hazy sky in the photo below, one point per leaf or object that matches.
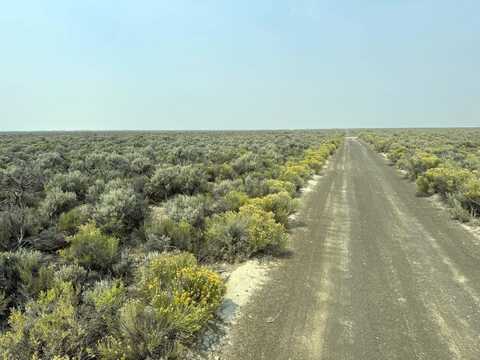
(203, 64)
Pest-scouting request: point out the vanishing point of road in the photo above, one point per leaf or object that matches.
(374, 273)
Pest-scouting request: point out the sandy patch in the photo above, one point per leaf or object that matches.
(310, 184)
(241, 284)
(241, 281)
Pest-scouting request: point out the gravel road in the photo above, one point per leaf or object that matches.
(374, 273)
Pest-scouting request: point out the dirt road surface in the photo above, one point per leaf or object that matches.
(375, 273)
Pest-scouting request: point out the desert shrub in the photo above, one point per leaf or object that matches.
(471, 193)
(192, 209)
(254, 185)
(442, 180)
(276, 186)
(189, 293)
(225, 171)
(423, 186)
(472, 161)
(296, 174)
(57, 201)
(48, 328)
(33, 273)
(141, 165)
(71, 182)
(23, 222)
(47, 240)
(247, 162)
(421, 162)
(51, 161)
(102, 304)
(280, 204)
(315, 158)
(396, 152)
(164, 233)
(23, 274)
(223, 187)
(381, 145)
(106, 295)
(20, 184)
(232, 200)
(119, 209)
(168, 181)
(456, 209)
(95, 191)
(226, 237)
(233, 235)
(71, 273)
(264, 233)
(7, 240)
(176, 298)
(143, 333)
(91, 248)
(69, 221)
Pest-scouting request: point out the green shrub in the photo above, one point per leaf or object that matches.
(421, 162)
(315, 158)
(233, 235)
(276, 186)
(296, 174)
(47, 329)
(226, 237)
(456, 208)
(69, 221)
(119, 209)
(264, 233)
(280, 204)
(23, 275)
(105, 299)
(187, 294)
(106, 295)
(396, 152)
(233, 200)
(92, 249)
(471, 192)
(72, 182)
(163, 233)
(443, 180)
(168, 181)
(176, 298)
(192, 209)
(57, 201)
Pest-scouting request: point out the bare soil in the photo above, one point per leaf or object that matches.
(374, 273)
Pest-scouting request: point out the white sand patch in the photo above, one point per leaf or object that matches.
(310, 184)
(241, 284)
(474, 230)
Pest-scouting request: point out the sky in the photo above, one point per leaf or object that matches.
(250, 64)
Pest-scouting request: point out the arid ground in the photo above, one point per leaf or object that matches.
(374, 273)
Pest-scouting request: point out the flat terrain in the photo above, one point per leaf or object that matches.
(375, 273)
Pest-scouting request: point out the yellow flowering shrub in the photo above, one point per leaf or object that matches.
(442, 180)
(276, 186)
(280, 204)
(48, 327)
(264, 233)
